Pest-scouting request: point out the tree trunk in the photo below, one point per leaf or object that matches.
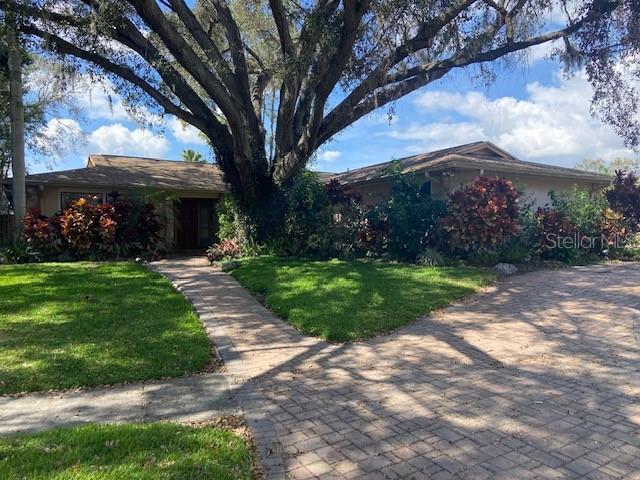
(16, 115)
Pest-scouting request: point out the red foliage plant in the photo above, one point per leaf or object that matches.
(624, 197)
(553, 226)
(482, 215)
(224, 250)
(118, 228)
(77, 224)
(40, 232)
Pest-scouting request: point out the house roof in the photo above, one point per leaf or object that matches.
(136, 172)
(478, 155)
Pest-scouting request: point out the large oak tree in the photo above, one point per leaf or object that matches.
(212, 63)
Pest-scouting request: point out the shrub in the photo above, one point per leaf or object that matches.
(582, 209)
(613, 229)
(372, 234)
(40, 233)
(404, 225)
(597, 225)
(308, 216)
(230, 225)
(120, 228)
(412, 219)
(346, 219)
(224, 250)
(78, 225)
(19, 252)
(516, 250)
(553, 226)
(624, 197)
(431, 257)
(629, 251)
(522, 247)
(482, 215)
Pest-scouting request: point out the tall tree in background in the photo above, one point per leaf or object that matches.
(16, 115)
(328, 62)
(610, 167)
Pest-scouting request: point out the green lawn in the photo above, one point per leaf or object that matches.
(348, 300)
(65, 325)
(124, 452)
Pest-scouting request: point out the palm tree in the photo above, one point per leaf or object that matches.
(190, 155)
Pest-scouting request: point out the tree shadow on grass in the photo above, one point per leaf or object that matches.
(71, 325)
(342, 301)
(127, 451)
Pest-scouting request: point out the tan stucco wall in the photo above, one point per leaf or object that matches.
(537, 187)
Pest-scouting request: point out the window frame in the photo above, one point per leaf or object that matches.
(80, 194)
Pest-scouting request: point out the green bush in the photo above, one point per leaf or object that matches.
(582, 209)
(598, 225)
(413, 219)
(19, 252)
(230, 225)
(308, 216)
(318, 220)
(404, 225)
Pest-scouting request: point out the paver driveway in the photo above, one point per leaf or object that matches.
(536, 378)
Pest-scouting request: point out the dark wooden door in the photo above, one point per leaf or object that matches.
(188, 224)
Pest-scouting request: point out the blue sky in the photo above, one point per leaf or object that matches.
(530, 110)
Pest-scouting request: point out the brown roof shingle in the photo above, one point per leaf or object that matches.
(135, 172)
(473, 155)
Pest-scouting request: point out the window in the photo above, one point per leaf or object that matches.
(93, 198)
(425, 189)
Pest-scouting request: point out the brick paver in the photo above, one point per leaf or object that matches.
(535, 378)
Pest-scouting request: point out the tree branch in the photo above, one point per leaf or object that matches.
(282, 25)
(398, 85)
(218, 133)
(184, 54)
(204, 41)
(421, 40)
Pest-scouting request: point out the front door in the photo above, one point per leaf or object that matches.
(196, 223)
(187, 224)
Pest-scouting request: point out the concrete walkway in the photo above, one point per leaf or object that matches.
(195, 398)
(536, 378)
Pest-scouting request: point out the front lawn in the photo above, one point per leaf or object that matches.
(152, 451)
(348, 300)
(65, 325)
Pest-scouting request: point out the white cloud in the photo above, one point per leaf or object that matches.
(116, 139)
(100, 101)
(185, 133)
(552, 124)
(329, 155)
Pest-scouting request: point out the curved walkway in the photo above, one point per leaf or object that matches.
(536, 378)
